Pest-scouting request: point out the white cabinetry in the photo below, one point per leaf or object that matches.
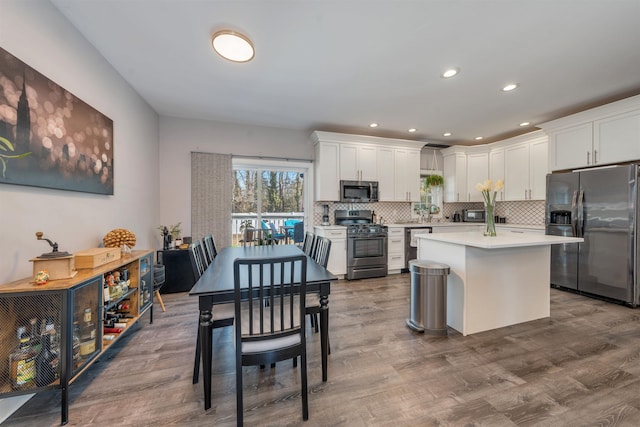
(358, 162)
(394, 163)
(395, 249)
(496, 168)
(604, 135)
(338, 254)
(477, 171)
(455, 176)
(526, 170)
(386, 175)
(327, 182)
(457, 228)
(407, 175)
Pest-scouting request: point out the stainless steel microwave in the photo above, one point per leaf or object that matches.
(358, 191)
(473, 215)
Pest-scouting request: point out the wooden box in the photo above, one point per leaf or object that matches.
(95, 257)
(58, 268)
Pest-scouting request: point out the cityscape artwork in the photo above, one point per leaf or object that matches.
(49, 137)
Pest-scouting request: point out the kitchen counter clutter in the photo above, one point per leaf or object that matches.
(494, 281)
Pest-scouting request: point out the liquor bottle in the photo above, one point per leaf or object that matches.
(35, 336)
(87, 335)
(22, 361)
(76, 345)
(54, 341)
(106, 295)
(46, 363)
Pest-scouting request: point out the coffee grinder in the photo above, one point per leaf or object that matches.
(325, 215)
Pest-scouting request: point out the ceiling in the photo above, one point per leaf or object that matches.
(338, 65)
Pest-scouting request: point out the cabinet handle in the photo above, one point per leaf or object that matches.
(468, 197)
(525, 194)
(588, 157)
(595, 156)
(395, 241)
(457, 197)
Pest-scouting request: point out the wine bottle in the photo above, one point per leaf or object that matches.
(46, 363)
(22, 362)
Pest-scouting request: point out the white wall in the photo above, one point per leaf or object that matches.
(36, 33)
(179, 137)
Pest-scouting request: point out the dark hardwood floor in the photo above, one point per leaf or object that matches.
(581, 367)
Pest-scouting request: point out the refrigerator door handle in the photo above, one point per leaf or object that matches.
(574, 214)
(580, 225)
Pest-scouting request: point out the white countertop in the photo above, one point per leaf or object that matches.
(507, 240)
(463, 224)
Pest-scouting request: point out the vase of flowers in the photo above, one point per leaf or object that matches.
(489, 190)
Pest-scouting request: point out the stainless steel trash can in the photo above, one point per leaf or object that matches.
(428, 302)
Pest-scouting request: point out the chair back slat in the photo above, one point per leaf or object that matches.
(307, 246)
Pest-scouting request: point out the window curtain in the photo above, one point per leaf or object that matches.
(211, 197)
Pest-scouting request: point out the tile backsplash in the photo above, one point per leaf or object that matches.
(521, 212)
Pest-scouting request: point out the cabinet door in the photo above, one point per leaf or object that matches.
(412, 175)
(358, 163)
(496, 168)
(386, 175)
(477, 171)
(617, 138)
(348, 162)
(455, 177)
(538, 162)
(516, 181)
(401, 159)
(395, 248)
(571, 147)
(327, 182)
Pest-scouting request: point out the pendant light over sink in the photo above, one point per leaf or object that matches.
(233, 46)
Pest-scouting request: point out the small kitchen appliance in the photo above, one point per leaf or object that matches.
(325, 215)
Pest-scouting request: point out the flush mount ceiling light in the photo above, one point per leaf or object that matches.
(447, 134)
(525, 124)
(510, 87)
(478, 138)
(450, 73)
(232, 46)
(373, 125)
(412, 130)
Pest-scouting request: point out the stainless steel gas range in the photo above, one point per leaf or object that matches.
(366, 244)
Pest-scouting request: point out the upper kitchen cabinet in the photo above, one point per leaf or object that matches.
(407, 175)
(496, 168)
(358, 162)
(394, 163)
(526, 167)
(600, 136)
(455, 174)
(327, 172)
(477, 171)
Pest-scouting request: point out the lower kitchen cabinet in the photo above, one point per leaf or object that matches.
(338, 255)
(395, 249)
(51, 333)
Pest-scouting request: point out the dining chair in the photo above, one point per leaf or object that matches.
(321, 256)
(265, 335)
(308, 244)
(275, 234)
(257, 237)
(298, 233)
(222, 314)
(209, 246)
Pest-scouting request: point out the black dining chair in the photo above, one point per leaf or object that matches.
(298, 233)
(308, 244)
(266, 335)
(222, 314)
(209, 246)
(321, 256)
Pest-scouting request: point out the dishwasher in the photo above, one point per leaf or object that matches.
(410, 243)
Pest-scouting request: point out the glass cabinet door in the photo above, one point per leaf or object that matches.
(86, 323)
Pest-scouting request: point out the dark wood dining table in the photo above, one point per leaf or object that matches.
(215, 286)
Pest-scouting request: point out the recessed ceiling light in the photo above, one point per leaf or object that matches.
(412, 130)
(478, 138)
(525, 124)
(450, 72)
(373, 125)
(510, 87)
(447, 134)
(232, 46)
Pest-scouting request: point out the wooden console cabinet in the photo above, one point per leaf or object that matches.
(67, 305)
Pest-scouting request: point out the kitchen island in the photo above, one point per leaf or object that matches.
(494, 281)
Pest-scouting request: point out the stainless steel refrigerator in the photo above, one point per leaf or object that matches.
(600, 205)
